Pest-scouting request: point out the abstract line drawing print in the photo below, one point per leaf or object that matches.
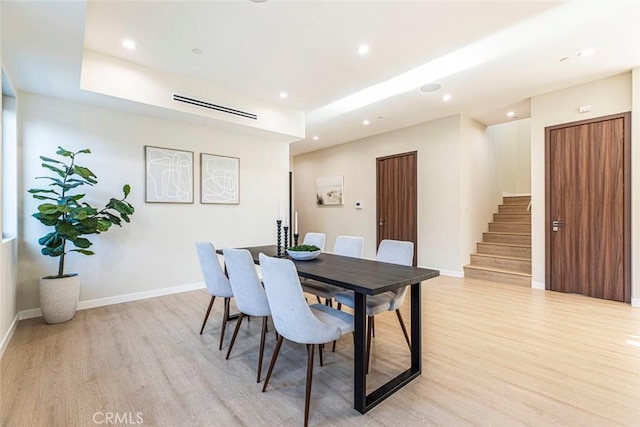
(220, 177)
(169, 175)
(329, 190)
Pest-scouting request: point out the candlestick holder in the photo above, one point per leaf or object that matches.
(286, 237)
(278, 250)
(295, 239)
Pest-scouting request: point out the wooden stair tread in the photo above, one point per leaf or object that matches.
(497, 270)
(509, 233)
(511, 245)
(502, 257)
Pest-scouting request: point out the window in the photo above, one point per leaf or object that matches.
(9, 162)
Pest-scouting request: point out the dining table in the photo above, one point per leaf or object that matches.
(365, 278)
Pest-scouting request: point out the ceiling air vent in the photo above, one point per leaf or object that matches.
(211, 106)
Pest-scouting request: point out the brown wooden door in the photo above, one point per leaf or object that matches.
(588, 208)
(397, 198)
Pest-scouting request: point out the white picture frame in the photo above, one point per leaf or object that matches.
(168, 175)
(219, 179)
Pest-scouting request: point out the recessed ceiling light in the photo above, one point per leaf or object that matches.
(511, 114)
(283, 94)
(365, 122)
(431, 87)
(363, 49)
(128, 44)
(258, 1)
(315, 137)
(196, 51)
(446, 97)
(586, 52)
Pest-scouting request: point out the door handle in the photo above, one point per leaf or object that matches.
(381, 222)
(555, 225)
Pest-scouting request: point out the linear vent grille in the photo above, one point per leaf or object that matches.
(211, 106)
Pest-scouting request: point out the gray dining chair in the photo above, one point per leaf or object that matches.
(216, 282)
(316, 239)
(393, 252)
(351, 246)
(295, 320)
(248, 293)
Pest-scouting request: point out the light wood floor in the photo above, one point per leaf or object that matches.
(493, 355)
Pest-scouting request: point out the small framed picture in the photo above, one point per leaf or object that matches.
(329, 190)
(219, 179)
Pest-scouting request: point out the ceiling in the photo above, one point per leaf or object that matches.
(490, 56)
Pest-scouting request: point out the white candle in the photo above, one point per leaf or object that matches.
(278, 210)
(295, 225)
(286, 217)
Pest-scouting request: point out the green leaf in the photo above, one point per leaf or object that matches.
(50, 237)
(123, 208)
(85, 151)
(103, 225)
(49, 159)
(66, 230)
(48, 220)
(81, 242)
(35, 196)
(78, 213)
(83, 172)
(61, 151)
(54, 169)
(53, 252)
(126, 189)
(48, 209)
(35, 191)
(82, 251)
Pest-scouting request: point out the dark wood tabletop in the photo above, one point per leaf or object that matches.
(357, 274)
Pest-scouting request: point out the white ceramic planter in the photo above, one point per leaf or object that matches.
(59, 298)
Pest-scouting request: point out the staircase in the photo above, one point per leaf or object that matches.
(504, 255)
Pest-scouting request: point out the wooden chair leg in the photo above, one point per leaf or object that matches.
(262, 337)
(206, 316)
(369, 335)
(235, 334)
(273, 362)
(307, 396)
(225, 316)
(404, 329)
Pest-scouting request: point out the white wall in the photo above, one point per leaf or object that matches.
(156, 250)
(442, 238)
(606, 96)
(8, 291)
(511, 142)
(635, 189)
(480, 193)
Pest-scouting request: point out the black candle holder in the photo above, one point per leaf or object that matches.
(278, 250)
(286, 237)
(295, 239)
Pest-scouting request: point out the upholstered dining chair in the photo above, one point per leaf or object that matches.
(216, 282)
(295, 320)
(248, 293)
(316, 239)
(351, 246)
(393, 252)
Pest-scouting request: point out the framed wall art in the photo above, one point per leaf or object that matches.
(168, 175)
(329, 190)
(219, 179)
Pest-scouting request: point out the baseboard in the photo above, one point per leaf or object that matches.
(451, 273)
(8, 335)
(635, 302)
(538, 285)
(118, 299)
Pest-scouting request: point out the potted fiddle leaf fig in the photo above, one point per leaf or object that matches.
(71, 219)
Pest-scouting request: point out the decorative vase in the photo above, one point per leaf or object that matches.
(59, 298)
